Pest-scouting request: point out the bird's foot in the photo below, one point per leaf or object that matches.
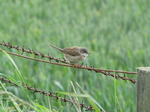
(75, 65)
(81, 64)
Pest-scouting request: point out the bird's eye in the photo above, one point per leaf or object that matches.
(83, 51)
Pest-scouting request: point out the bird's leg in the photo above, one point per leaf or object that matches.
(82, 64)
(66, 60)
(75, 65)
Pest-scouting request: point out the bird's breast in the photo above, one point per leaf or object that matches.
(74, 59)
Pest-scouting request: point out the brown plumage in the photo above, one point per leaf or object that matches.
(73, 54)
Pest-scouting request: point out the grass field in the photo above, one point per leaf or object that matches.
(116, 33)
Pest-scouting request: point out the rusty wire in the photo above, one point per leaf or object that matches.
(30, 51)
(50, 94)
(8, 45)
(103, 71)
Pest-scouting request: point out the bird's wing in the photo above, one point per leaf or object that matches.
(74, 51)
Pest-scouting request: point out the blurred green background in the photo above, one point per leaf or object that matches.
(116, 32)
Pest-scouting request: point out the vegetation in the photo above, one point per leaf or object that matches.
(116, 33)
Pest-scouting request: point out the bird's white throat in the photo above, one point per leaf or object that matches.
(85, 54)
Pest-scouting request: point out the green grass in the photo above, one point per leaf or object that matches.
(116, 32)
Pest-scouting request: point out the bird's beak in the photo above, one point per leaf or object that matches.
(89, 53)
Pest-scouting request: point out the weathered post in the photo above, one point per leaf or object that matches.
(143, 89)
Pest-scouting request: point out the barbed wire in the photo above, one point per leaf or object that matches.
(50, 94)
(30, 51)
(103, 71)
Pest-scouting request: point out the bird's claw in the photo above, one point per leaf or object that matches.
(75, 65)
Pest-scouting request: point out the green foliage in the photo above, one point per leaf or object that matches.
(116, 33)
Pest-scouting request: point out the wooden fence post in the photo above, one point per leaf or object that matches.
(143, 89)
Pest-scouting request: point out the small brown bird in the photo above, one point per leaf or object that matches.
(73, 54)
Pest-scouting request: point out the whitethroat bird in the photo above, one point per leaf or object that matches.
(74, 54)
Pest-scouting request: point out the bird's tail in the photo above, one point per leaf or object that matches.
(56, 48)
